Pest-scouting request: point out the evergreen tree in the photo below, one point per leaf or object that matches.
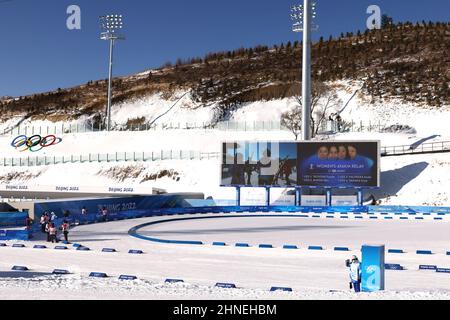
(386, 21)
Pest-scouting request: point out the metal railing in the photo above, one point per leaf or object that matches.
(430, 147)
(222, 126)
(163, 155)
(84, 128)
(15, 200)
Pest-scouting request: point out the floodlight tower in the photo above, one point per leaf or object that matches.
(110, 24)
(302, 17)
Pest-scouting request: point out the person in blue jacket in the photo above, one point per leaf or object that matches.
(354, 270)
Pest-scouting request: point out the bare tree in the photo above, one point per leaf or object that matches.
(324, 102)
(293, 121)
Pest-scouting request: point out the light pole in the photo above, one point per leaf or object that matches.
(302, 16)
(110, 24)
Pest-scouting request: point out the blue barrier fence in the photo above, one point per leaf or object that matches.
(115, 205)
(409, 209)
(23, 235)
(12, 219)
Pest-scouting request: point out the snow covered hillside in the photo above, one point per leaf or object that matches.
(403, 177)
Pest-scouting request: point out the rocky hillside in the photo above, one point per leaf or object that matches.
(407, 61)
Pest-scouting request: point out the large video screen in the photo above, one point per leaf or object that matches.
(308, 164)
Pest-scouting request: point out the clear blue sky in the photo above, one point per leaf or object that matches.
(38, 53)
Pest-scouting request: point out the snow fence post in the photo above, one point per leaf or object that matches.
(238, 196)
(360, 197)
(268, 196)
(328, 197)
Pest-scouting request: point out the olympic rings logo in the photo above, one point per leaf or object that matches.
(35, 143)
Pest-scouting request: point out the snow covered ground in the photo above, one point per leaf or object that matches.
(303, 232)
(311, 274)
(406, 180)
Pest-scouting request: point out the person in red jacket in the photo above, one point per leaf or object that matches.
(28, 222)
(52, 231)
(104, 214)
(65, 229)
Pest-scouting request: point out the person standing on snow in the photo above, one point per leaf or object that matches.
(53, 233)
(354, 268)
(47, 230)
(339, 122)
(65, 230)
(28, 222)
(42, 222)
(104, 214)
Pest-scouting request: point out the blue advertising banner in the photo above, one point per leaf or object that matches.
(337, 164)
(113, 206)
(372, 268)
